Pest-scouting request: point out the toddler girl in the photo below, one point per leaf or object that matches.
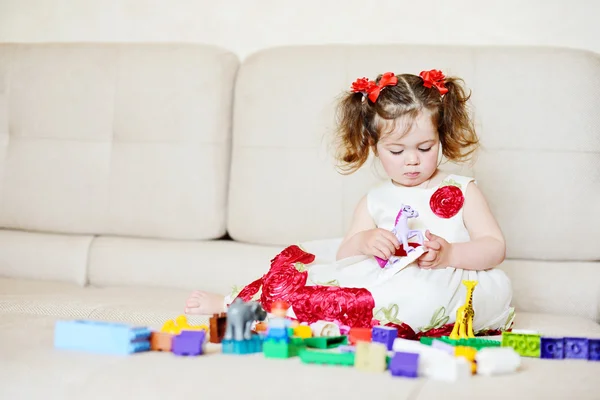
(414, 238)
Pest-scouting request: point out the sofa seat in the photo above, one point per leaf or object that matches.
(61, 374)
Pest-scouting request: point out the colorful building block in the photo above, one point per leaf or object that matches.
(476, 343)
(216, 327)
(552, 348)
(359, 334)
(346, 348)
(326, 342)
(371, 357)
(180, 323)
(404, 364)
(281, 349)
(326, 357)
(253, 345)
(101, 337)
(189, 343)
(526, 344)
(385, 335)
(303, 331)
(497, 361)
(594, 353)
(161, 341)
(577, 348)
(438, 344)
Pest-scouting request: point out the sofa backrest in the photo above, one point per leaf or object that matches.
(536, 110)
(126, 140)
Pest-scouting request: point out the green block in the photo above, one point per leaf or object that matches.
(326, 357)
(326, 342)
(476, 343)
(280, 349)
(526, 344)
(426, 340)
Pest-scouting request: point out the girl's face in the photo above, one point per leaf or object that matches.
(409, 153)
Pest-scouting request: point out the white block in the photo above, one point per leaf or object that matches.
(497, 360)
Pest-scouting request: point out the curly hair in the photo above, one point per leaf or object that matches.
(361, 121)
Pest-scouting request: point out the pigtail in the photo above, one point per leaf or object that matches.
(354, 141)
(457, 133)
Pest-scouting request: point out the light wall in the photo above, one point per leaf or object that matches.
(245, 26)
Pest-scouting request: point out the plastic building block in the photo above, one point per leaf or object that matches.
(325, 342)
(101, 337)
(468, 353)
(552, 348)
(278, 334)
(448, 369)
(324, 328)
(303, 331)
(189, 343)
(438, 344)
(327, 357)
(161, 341)
(359, 334)
(371, 357)
(279, 349)
(347, 348)
(404, 364)
(594, 353)
(217, 325)
(253, 345)
(526, 344)
(577, 348)
(427, 340)
(497, 360)
(476, 343)
(180, 323)
(385, 335)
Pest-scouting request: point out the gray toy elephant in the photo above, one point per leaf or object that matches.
(240, 316)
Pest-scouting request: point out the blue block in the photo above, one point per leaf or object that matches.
(576, 348)
(385, 335)
(405, 364)
(101, 337)
(552, 348)
(253, 345)
(594, 350)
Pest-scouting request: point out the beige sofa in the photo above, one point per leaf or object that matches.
(124, 167)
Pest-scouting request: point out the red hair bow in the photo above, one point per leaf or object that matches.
(372, 89)
(435, 78)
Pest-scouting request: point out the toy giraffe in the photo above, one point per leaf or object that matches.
(463, 327)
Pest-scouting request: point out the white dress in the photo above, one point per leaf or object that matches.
(403, 293)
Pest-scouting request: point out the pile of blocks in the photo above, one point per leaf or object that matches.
(535, 345)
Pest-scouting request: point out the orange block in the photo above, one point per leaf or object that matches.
(359, 334)
(161, 341)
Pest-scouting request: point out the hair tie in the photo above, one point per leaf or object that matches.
(435, 78)
(370, 88)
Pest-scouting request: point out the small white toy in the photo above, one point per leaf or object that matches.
(497, 360)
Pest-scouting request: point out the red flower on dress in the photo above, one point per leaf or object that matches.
(435, 78)
(281, 283)
(447, 201)
(250, 290)
(349, 306)
(290, 255)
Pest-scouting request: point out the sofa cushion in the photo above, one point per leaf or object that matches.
(89, 133)
(539, 134)
(53, 257)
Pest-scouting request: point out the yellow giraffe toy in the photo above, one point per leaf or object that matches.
(463, 327)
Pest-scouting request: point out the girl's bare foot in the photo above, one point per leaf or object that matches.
(204, 303)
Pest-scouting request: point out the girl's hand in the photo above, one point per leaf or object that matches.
(438, 252)
(378, 242)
